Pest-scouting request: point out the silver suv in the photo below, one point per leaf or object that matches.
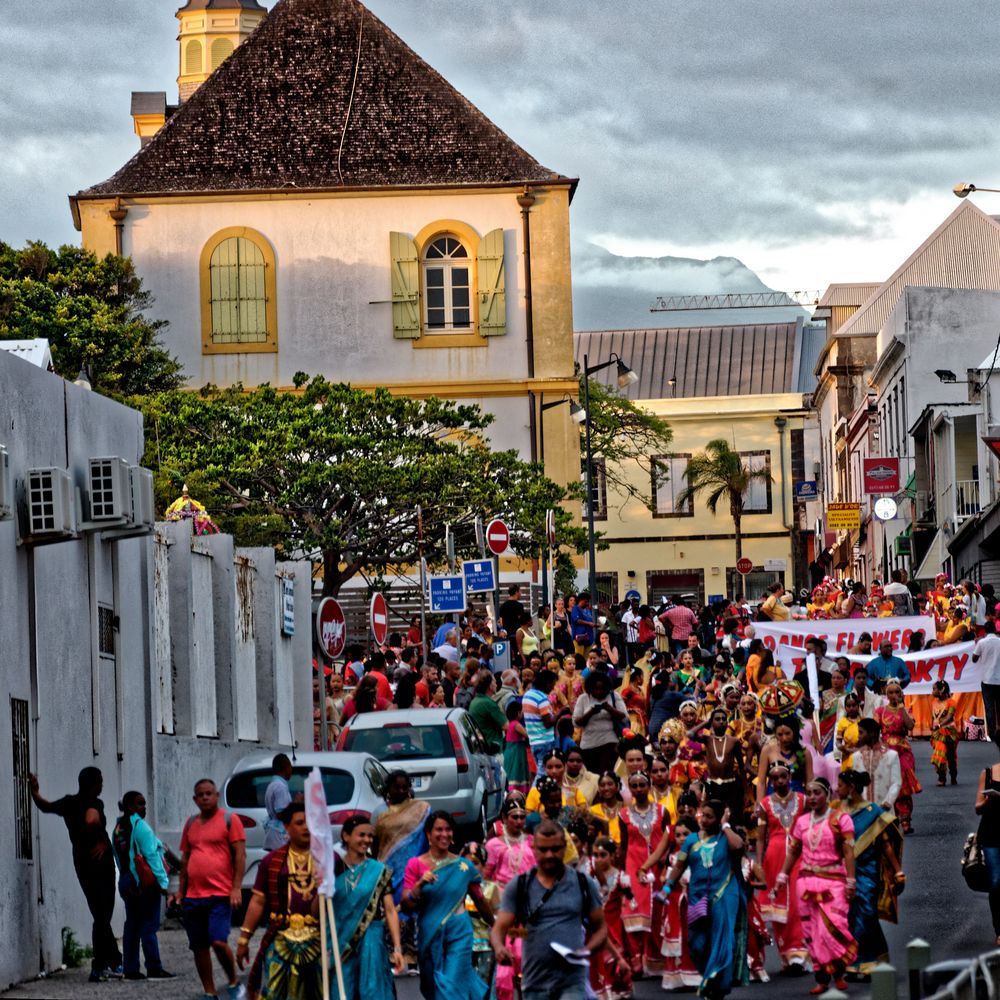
(445, 755)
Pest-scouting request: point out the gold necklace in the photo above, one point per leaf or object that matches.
(300, 874)
(715, 748)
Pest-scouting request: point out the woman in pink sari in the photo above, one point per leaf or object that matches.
(824, 839)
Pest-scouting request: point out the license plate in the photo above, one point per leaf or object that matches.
(418, 782)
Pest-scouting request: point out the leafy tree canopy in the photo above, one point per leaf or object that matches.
(91, 312)
(624, 435)
(336, 470)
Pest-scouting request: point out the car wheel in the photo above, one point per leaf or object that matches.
(479, 829)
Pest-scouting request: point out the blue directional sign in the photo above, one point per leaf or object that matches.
(633, 595)
(447, 595)
(479, 576)
(805, 489)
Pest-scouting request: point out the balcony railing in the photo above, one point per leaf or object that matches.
(963, 495)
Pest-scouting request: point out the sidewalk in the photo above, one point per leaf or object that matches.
(71, 984)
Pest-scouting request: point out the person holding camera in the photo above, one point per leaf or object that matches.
(601, 715)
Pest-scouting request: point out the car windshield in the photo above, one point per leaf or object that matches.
(401, 741)
(246, 789)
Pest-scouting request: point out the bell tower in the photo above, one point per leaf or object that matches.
(210, 31)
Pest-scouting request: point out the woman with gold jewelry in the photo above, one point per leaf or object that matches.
(288, 963)
(363, 907)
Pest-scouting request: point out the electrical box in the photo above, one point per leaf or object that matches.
(110, 490)
(51, 502)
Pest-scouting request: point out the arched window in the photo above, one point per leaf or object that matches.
(447, 274)
(192, 58)
(222, 49)
(239, 312)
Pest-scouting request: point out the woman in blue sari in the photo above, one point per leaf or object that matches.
(717, 906)
(878, 856)
(435, 887)
(363, 908)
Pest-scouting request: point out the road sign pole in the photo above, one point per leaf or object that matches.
(494, 600)
(449, 544)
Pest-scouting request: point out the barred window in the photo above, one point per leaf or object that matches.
(22, 769)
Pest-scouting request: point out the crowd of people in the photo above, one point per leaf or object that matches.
(676, 805)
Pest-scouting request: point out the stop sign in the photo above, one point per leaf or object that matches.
(331, 627)
(379, 614)
(744, 566)
(497, 536)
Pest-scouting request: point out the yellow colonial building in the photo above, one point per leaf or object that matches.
(748, 385)
(322, 200)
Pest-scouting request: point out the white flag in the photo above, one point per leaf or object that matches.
(321, 835)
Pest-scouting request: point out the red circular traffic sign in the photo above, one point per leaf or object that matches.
(331, 627)
(379, 615)
(497, 536)
(744, 566)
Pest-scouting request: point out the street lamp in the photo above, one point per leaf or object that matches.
(626, 377)
(964, 189)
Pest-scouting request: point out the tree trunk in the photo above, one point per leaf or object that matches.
(333, 579)
(738, 531)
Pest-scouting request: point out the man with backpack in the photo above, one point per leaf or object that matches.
(554, 906)
(213, 846)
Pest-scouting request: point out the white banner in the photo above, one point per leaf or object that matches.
(944, 663)
(320, 833)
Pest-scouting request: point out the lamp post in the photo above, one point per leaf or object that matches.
(964, 189)
(625, 377)
(577, 414)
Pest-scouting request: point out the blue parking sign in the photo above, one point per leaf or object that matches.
(806, 489)
(447, 594)
(479, 576)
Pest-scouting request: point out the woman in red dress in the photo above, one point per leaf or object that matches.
(897, 724)
(610, 974)
(776, 815)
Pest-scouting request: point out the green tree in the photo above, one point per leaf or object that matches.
(625, 435)
(721, 473)
(338, 473)
(91, 312)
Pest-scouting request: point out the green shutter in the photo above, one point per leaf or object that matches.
(492, 295)
(405, 287)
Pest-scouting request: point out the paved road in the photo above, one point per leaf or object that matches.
(937, 906)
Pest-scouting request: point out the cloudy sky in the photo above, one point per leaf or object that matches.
(815, 142)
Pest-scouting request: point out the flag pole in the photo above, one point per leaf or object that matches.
(322, 945)
(338, 968)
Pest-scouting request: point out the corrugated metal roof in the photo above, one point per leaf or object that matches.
(845, 294)
(36, 351)
(963, 252)
(748, 359)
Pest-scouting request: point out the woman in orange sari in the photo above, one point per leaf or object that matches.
(944, 733)
(897, 724)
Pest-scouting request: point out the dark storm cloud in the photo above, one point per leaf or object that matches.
(688, 123)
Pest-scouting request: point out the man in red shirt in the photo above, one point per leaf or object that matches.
(213, 846)
(680, 621)
(375, 666)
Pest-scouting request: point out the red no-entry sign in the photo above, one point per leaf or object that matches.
(744, 566)
(497, 537)
(379, 614)
(331, 627)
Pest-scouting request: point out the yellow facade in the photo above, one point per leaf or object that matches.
(207, 38)
(696, 554)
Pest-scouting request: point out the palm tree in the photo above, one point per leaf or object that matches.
(724, 476)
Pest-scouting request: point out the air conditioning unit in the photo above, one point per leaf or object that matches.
(6, 486)
(110, 490)
(143, 511)
(51, 502)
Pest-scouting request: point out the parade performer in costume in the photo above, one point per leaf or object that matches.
(944, 733)
(897, 724)
(610, 975)
(878, 856)
(824, 840)
(288, 962)
(608, 804)
(186, 508)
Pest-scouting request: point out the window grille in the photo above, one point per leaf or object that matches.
(239, 292)
(106, 631)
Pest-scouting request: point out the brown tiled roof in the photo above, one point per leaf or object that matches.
(741, 360)
(273, 116)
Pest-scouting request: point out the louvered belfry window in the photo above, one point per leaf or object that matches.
(239, 296)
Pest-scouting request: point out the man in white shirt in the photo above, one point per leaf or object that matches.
(899, 594)
(986, 653)
(630, 625)
(277, 796)
(448, 650)
(880, 763)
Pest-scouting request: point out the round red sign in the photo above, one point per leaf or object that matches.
(497, 537)
(744, 566)
(331, 627)
(379, 614)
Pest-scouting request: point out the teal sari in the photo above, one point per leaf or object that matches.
(874, 899)
(444, 936)
(357, 908)
(718, 941)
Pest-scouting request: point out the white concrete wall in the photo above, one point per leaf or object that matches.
(117, 712)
